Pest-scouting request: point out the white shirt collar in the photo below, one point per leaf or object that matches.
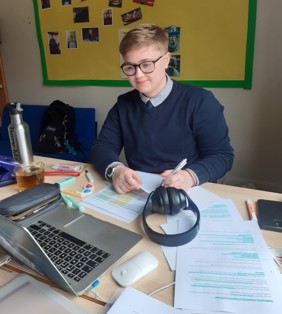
(162, 95)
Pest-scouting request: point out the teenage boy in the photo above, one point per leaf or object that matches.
(160, 122)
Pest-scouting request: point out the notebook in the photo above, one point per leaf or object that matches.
(71, 248)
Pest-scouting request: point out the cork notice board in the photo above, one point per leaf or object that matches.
(211, 41)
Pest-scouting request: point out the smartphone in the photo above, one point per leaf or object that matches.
(270, 215)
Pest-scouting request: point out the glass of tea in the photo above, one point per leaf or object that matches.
(28, 176)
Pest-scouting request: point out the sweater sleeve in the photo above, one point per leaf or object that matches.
(211, 131)
(108, 144)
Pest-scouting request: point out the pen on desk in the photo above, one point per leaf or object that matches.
(74, 193)
(251, 210)
(66, 181)
(75, 204)
(62, 173)
(177, 168)
(66, 200)
(89, 176)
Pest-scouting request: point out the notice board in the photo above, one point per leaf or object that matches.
(211, 41)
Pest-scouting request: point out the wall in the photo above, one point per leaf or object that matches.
(253, 115)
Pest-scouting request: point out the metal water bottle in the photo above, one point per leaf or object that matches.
(19, 135)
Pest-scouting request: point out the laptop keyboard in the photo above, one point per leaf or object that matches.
(72, 257)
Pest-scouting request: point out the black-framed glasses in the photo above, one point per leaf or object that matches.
(146, 67)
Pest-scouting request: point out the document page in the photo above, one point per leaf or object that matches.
(224, 211)
(124, 207)
(132, 301)
(150, 181)
(229, 267)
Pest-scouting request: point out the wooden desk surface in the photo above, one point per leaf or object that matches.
(162, 275)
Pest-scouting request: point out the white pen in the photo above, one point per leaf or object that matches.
(89, 176)
(177, 168)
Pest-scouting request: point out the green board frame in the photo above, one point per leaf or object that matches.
(245, 82)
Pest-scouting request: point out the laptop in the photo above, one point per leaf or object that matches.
(71, 248)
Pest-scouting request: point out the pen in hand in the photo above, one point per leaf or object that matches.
(177, 168)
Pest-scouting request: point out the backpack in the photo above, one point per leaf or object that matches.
(57, 134)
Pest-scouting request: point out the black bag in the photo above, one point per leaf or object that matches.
(57, 135)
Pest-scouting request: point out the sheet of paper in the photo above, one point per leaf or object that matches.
(225, 210)
(123, 207)
(127, 207)
(132, 301)
(202, 197)
(222, 211)
(229, 266)
(150, 181)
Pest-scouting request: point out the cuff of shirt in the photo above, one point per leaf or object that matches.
(113, 164)
(194, 176)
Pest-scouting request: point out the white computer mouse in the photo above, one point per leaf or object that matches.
(134, 268)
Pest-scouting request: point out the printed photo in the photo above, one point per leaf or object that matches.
(145, 2)
(66, 2)
(71, 39)
(132, 16)
(54, 43)
(108, 17)
(174, 66)
(45, 4)
(90, 34)
(115, 3)
(81, 15)
(173, 38)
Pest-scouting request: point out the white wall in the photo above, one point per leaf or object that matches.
(253, 115)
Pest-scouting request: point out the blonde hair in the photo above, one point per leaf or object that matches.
(144, 35)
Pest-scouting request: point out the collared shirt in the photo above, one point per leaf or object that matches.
(161, 96)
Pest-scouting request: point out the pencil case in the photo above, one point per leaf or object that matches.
(31, 201)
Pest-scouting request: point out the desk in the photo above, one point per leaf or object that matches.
(162, 275)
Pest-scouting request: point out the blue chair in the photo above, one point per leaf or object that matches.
(86, 130)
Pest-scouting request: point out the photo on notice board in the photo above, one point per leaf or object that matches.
(71, 39)
(54, 43)
(107, 17)
(174, 66)
(131, 16)
(173, 38)
(90, 34)
(66, 2)
(45, 4)
(81, 15)
(115, 3)
(145, 2)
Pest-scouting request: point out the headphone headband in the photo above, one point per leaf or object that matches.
(170, 201)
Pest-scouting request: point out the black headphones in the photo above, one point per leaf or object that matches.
(170, 201)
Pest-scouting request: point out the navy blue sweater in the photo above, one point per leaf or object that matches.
(189, 123)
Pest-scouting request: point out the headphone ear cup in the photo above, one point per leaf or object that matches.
(168, 201)
(160, 201)
(183, 199)
(174, 200)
